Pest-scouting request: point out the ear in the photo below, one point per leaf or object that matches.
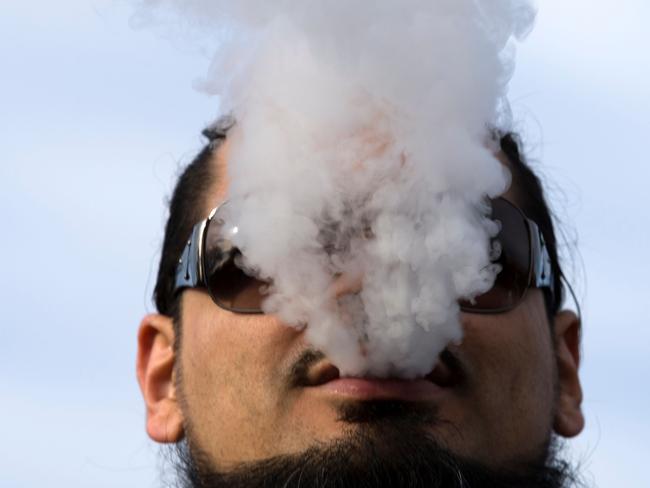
(155, 371)
(569, 420)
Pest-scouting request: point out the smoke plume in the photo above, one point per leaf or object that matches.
(361, 162)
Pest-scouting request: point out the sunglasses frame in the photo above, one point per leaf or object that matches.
(190, 270)
(540, 270)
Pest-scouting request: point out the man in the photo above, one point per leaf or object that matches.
(246, 399)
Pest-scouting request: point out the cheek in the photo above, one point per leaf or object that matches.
(509, 358)
(231, 370)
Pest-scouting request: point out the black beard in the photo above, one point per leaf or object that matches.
(388, 447)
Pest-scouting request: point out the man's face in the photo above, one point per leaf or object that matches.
(503, 391)
(236, 374)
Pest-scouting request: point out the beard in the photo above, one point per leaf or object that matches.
(386, 445)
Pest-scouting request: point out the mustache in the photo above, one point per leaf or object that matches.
(299, 371)
(451, 360)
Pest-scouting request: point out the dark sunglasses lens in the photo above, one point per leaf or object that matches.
(512, 281)
(229, 285)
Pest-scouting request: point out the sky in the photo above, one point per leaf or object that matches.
(96, 118)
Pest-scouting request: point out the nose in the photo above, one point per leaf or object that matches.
(347, 283)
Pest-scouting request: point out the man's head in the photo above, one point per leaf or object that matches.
(239, 391)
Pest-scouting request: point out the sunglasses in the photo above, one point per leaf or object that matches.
(211, 261)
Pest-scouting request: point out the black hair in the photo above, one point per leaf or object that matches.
(195, 181)
(185, 210)
(529, 195)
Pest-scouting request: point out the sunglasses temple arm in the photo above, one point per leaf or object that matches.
(188, 271)
(542, 270)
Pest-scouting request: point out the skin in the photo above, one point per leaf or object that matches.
(521, 382)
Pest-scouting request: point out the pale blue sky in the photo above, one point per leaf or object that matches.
(94, 119)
